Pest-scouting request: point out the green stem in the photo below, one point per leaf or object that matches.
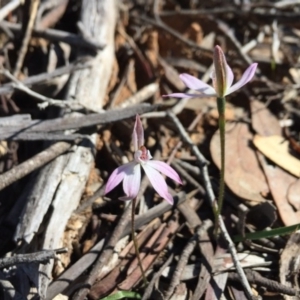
(136, 246)
(221, 109)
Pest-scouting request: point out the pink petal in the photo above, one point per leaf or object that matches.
(247, 76)
(158, 183)
(139, 132)
(117, 176)
(195, 84)
(132, 182)
(229, 77)
(165, 169)
(135, 139)
(185, 95)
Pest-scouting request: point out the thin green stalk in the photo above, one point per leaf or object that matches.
(221, 110)
(136, 246)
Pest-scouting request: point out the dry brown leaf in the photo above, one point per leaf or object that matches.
(277, 149)
(293, 194)
(263, 121)
(194, 33)
(242, 171)
(279, 182)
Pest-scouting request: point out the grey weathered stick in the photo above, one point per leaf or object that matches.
(44, 77)
(207, 252)
(34, 4)
(149, 288)
(8, 8)
(211, 197)
(42, 257)
(182, 262)
(33, 163)
(46, 100)
(38, 127)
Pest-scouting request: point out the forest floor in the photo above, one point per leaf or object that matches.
(74, 75)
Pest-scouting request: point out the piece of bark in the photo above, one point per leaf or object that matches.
(89, 88)
(66, 200)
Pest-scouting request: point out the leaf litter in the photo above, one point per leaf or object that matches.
(144, 52)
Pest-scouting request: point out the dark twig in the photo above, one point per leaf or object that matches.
(41, 257)
(175, 34)
(187, 251)
(149, 289)
(271, 285)
(46, 100)
(55, 35)
(34, 4)
(207, 252)
(44, 77)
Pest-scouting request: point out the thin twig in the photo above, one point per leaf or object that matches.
(55, 35)
(34, 4)
(149, 289)
(45, 77)
(46, 100)
(271, 285)
(41, 257)
(187, 251)
(211, 197)
(207, 252)
(175, 34)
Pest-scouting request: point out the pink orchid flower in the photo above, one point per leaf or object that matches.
(130, 173)
(222, 77)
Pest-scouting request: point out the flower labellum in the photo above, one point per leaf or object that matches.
(222, 77)
(130, 173)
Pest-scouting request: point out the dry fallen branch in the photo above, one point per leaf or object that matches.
(34, 4)
(44, 77)
(41, 257)
(33, 163)
(38, 127)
